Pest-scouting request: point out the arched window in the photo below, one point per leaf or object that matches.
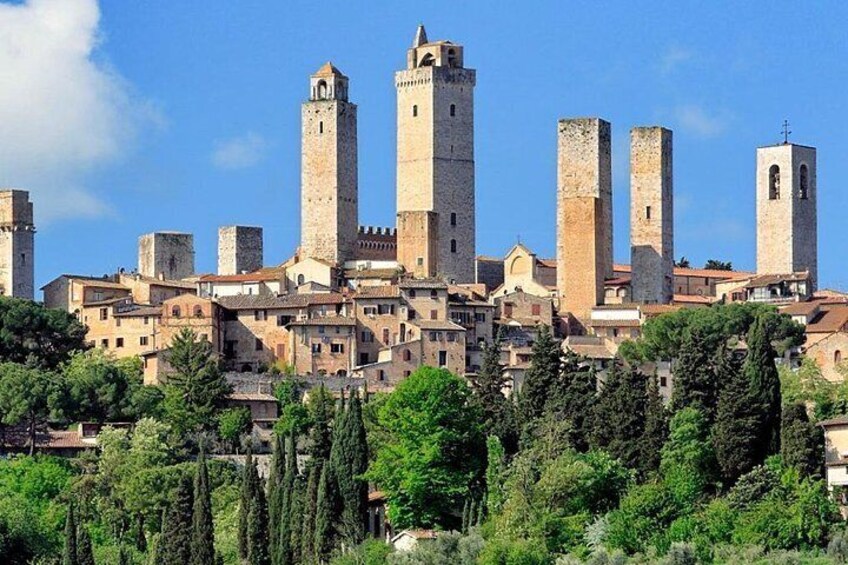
(175, 312)
(322, 90)
(837, 357)
(300, 280)
(453, 218)
(451, 57)
(415, 111)
(427, 60)
(453, 246)
(198, 312)
(774, 182)
(453, 110)
(803, 183)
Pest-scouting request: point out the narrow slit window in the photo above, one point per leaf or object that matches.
(647, 212)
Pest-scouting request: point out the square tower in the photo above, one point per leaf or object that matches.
(584, 213)
(417, 237)
(239, 249)
(17, 244)
(787, 228)
(166, 254)
(651, 215)
(435, 149)
(329, 193)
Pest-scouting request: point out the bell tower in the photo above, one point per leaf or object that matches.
(329, 199)
(435, 158)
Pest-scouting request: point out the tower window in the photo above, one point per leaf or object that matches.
(415, 111)
(23, 259)
(453, 246)
(322, 90)
(453, 110)
(647, 212)
(320, 127)
(837, 357)
(774, 182)
(803, 182)
(453, 218)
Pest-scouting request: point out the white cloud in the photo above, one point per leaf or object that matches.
(673, 57)
(695, 119)
(239, 152)
(62, 114)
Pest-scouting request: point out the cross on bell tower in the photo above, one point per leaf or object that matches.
(786, 131)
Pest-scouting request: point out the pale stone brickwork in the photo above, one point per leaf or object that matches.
(329, 185)
(417, 242)
(651, 215)
(169, 255)
(435, 149)
(17, 244)
(239, 249)
(786, 210)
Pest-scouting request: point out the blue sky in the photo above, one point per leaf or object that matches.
(129, 117)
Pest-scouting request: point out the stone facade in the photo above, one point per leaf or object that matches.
(168, 255)
(584, 213)
(651, 215)
(786, 210)
(17, 244)
(417, 242)
(239, 249)
(329, 201)
(435, 149)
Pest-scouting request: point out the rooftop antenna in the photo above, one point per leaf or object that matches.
(786, 131)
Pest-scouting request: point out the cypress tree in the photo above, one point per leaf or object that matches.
(85, 555)
(801, 441)
(694, 380)
(541, 376)
(203, 539)
(619, 415)
(321, 412)
(498, 411)
(275, 496)
(69, 552)
(466, 514)
(177, 531)
(247, 488)
(307, 536)
(735, 431)
(656, 429)
(573, 399)
(495, 476)
(285, 524)
(761, 372)
(349, 461)
(324, 539)
(257, 523)
(140, 538)
(297, 502)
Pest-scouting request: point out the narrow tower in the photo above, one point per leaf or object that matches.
(17, 244)
(239, 249)
(786, 210)
(651, 215)
(584, 213)
(329, 201)
(435, 158)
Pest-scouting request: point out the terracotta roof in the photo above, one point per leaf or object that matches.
(837, 421)
(688, 272)
(387, 291)
(618, 281)
(326, 298)
(547, 263)
(801, 308)
(656, 309)
(140, 311)
(263, 302)
(326, 321)
(388, 274)
(591, 351)
(691, 299)
(614, 323)
(252, 397)
(376, 495)
(429, 284)
(327, 69)
(101, 283)
(828, 293)
(489, 259)
(256, 276)
(417, 534)
(108, 301)
(437, 325)
(765, 280)
(830, 319)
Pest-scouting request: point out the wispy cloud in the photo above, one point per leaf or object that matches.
(62, 114)
(673, 57)
(239, 152)
(698, 121)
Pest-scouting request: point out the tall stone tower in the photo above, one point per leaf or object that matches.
(435, 153)
(239, 249)
(166, 254)
(651, 215)
(584, 213)
(17, 244)
(329, 193)
(786, 210)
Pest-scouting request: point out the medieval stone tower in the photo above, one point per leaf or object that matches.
(435, 157)
(239, 249)
(329, 201)
(651, 215)
(786, 210)
(17, 244)
(166, 254)
(584, 213)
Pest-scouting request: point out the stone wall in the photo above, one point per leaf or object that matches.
(417, 242)
(651, 215)
(166, 254)
(239, 249)
(17, 244)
